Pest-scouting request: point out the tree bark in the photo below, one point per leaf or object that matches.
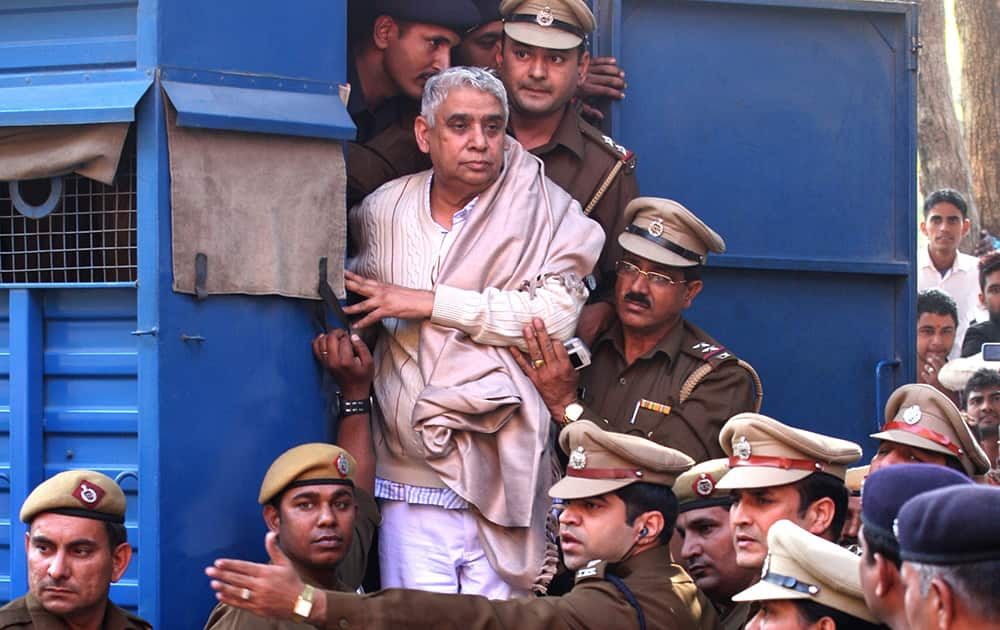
(944, 162)
(979, 29)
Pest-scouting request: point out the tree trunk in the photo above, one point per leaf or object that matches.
(979, 29)
(944, 162)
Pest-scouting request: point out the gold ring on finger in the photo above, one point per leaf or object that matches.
(539, 363)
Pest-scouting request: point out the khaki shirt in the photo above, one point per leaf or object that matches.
(667, 595)
(578, 158)
(351, 570)
(391, 154)
(27, 612)
(611, 390)
(737, 617)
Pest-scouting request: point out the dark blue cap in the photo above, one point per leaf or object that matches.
(887, 489)
(489, 11)
(458, 15)
(955, 525)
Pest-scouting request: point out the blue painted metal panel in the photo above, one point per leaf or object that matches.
(47, 35)
(304, 39)
(788, 125)
(72, 103)
(228, 407)
(26, 385)
(212, 415)
(319, 115)
(5, 469)
(72, 404)
(153, 203)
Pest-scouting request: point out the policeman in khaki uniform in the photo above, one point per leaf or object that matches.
(806, 579)
(625, 578)
(543, 61)
(780, 472)
(324, 524)
(654, 374)
(922, 425)
(704, 542)
(77, 546)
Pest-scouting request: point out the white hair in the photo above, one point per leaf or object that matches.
(973, 584)
(439, 86)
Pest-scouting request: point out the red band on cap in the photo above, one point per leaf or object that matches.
(605, 473)
(926, 433)
(784, 463)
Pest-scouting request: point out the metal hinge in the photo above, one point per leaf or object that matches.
(915, 46)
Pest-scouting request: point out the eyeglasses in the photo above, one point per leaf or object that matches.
(630, 271)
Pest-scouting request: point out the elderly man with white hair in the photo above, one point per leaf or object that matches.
(452, 263)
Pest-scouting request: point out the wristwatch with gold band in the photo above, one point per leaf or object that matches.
(303, 604)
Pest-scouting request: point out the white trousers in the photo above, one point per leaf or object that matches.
(435, 549)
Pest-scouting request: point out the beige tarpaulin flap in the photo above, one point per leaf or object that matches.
(263, 208)
(48, 150)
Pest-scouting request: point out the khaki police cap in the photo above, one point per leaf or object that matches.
(919, 415)
(764, 452)
(664, 231)
(307, 465)
(555, 24)
(83, 493)
(698, 487)
(800, 565)
(603, 461)
(855, 478)
(955, 374)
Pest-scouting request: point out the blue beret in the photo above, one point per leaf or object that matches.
(458, 15)
(887, 489)
(955, 525)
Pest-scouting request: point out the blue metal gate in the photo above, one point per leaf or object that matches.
(789, 126)
(72, 404)
(185, 402)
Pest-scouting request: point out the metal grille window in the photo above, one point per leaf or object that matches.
(90, 236)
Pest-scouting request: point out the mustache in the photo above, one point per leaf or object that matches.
(638, 298)
(541, 87)
(50, 582)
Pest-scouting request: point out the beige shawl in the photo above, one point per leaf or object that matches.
(484, 426)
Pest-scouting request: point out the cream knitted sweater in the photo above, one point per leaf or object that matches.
(406, 248)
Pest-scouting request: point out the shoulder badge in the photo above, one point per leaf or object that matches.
(620, 153)
(593, 571)
(711, 352)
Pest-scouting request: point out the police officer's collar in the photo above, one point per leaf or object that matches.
(669, 344)
(567, 134)
(657, 559)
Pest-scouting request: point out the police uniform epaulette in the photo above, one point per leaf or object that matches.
(710, 352)
(594, 570)
(616, 150)
(700, 345)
